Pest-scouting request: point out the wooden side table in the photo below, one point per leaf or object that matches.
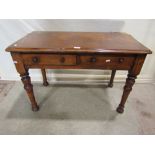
(78, 50)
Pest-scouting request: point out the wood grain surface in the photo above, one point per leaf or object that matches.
(91, 42)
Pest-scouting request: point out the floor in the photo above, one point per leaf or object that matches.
(76, 110)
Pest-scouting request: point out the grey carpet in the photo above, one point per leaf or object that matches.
(76, 109)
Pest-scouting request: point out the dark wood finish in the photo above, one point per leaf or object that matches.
(127, 89)
(106, 61)
(133, 73)
(112, 78)
(49, 59)
(89, 42)
(25, 78)
(29, 89)
(45, 83)
(78, 50)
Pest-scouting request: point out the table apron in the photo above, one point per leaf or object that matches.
(66, 61)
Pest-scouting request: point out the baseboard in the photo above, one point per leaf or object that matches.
(83, 78)
(95, 78)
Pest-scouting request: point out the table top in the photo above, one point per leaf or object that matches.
(71, 42)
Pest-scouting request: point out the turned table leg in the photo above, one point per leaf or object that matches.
(112, 78)
(127, 89)
(29, 89)
(45, 83)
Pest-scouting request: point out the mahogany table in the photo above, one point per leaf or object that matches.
(78, 50)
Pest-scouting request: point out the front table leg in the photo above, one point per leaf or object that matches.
(29, 89)
(127, 89)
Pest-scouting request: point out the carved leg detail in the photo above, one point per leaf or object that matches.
(112, 78)
(29, 89)
(45, 83)
(127, 89)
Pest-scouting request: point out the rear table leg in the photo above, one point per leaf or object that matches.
(45, 83)
(112, 78)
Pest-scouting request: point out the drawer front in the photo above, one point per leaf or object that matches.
(107, 62)
(49, 59)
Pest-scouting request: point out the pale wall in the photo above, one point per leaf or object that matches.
(11, 30)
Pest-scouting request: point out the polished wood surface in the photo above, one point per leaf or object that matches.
(82, 61)
(78, 50)
(73, 42)
(49, 59)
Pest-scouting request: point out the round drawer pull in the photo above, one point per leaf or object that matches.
(121, 60)
(35, 60)
(93, 59)
(62, 59)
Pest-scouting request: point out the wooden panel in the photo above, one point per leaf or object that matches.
(48, 59)
(77, 42)
(64, 61)
(135, 70)
(107, 62)
(17, 59)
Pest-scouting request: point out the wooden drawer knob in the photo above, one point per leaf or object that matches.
(121, 60)
(62, 59)
(35, 60)
(93, 59)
